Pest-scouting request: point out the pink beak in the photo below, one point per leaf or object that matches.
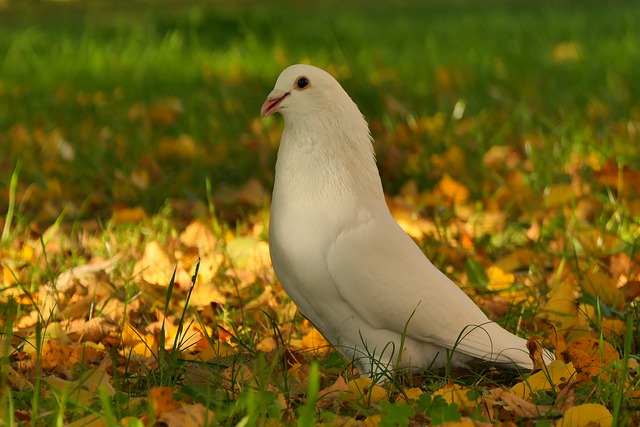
(272, 104)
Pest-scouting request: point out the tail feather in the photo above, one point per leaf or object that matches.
(494, 344)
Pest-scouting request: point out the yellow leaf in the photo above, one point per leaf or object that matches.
(515, 260)
(589, 414)
(566, 52)
(453, 190)
(248, 253)
(181, 148)
(456, 394)
(155, 266)
(613, 327)
(267, 344)
(411, 394)
(559, 195)
(464, 422)
(315, 343)
(216, 350)
(85, 389)
(558, 371)
(363, 390)
(8, 277)
(600, 285)
(26, 253)
(125, 214)
(373, 420)
(498, 279)
(562, 307)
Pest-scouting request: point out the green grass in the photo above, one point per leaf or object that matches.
(70, 70)
(90, 90)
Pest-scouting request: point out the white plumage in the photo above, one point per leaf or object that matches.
(343, 259)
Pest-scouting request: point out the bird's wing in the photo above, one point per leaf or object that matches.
(390, 283)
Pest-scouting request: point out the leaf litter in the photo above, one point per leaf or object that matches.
(88, 326)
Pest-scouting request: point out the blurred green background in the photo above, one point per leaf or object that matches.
(106, 103)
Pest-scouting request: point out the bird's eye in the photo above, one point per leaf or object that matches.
(302, 83)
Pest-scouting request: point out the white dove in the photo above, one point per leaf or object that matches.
(343, 259)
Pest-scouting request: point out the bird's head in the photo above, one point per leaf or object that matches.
(302, 90)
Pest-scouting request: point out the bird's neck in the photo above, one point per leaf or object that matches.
(327, 160)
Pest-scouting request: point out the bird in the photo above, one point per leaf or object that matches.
(342, 258)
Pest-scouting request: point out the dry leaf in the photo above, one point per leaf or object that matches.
(200, 236)
(599, 284)
(194, 414)
(180, 149)
(557, 371)
(267, 344)
(587, 415)
(413, 393)
(365, 392)
(453, 393)
(162, 400)
(315, 343)
(83, 390)
(561, 309)
(453, 190)
(332, 394)
(249, 253)
(519, 405)
(589, 357)
(124, 214)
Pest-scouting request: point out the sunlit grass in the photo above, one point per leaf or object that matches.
(103, 108)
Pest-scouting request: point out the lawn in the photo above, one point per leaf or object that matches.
(133, 155)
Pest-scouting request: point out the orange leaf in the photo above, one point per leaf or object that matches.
(315, 343)
(453, 190)
(123, 214)
(162, 400)
(589, 357)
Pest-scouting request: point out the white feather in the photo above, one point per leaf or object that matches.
(343, 259)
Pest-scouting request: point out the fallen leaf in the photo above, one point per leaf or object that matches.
(520, 406)
(556, 373)
(200, 236)
(194, 414)
(332, 394)
(566, 52)
(83, 390)
(453, 393)
(601, 285)
(453, 190)
(587, 415)
(315, 343)
(365, 392)
(536, 352)
(613, 328)
(162, 400)
(249, 253)
(125, 214)
(267, 344)
(558, 195)
(561, 309)
(413, 393)
(590, 357)
(182, 148)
